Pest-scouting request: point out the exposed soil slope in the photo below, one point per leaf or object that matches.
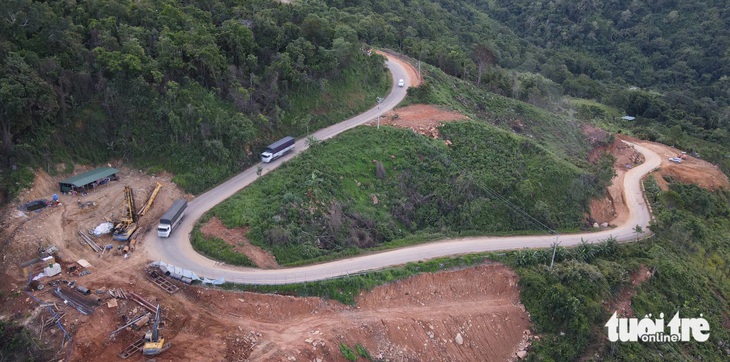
(421, 118)
(612, 208)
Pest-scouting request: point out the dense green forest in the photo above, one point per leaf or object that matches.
(194, 87)
(198, 87)
(664, 62)
(591, 49)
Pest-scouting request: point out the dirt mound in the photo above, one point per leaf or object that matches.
(415, 319)
(468, 315)
(421, 118)
(237, 238)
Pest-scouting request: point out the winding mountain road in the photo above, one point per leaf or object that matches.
(178, 251)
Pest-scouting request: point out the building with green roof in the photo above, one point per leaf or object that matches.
(88, 180)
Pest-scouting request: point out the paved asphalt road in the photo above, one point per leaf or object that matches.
(178, 251)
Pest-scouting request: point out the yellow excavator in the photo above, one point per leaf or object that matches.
(124, 229)
(154, 344)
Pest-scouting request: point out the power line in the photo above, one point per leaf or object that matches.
(516, 208)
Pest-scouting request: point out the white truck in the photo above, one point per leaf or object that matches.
(171, 218)
(278, 149)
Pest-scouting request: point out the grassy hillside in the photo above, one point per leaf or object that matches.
(369, 187)
(557, 132)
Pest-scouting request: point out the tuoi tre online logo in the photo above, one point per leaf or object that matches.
(653, 330)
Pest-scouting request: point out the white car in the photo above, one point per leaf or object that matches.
(675, 159)
(401, 83)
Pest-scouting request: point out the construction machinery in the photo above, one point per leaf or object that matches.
(148, 205)
(154, 344)
(124, 229)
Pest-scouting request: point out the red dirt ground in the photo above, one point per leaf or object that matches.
(612, 208)
(691, 171)
(421, 118)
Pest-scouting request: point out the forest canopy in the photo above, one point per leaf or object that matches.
(152, 80)
(195, 87)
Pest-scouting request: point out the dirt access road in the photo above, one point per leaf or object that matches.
(178, 251)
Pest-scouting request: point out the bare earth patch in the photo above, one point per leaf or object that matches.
(621, 304)
(417, 319)
(691, 171)
(612, 208)
(237, 238)
(421, 118)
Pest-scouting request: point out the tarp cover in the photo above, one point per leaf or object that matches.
(174, 271)
(103, 229)
(218, 281)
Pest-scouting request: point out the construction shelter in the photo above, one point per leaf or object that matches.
(88, 180)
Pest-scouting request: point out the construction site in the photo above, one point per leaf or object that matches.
(95, 296)
(77, 276)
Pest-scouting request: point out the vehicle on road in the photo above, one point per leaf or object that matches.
(401, 83)
(278, 149)
(675, 159)
(171, 218)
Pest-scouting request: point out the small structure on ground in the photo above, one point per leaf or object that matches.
(88, 180)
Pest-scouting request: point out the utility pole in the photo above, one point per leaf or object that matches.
(555, 249)
(380, 100)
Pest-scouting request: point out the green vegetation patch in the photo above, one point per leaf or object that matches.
(688, 259)
(17, 344)
(218, 249)
(368, 188)
(559, 134)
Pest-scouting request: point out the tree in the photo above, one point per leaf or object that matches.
(638, 230)
(237, 40)
(25, 98)
(676, 135)
(484, 57)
